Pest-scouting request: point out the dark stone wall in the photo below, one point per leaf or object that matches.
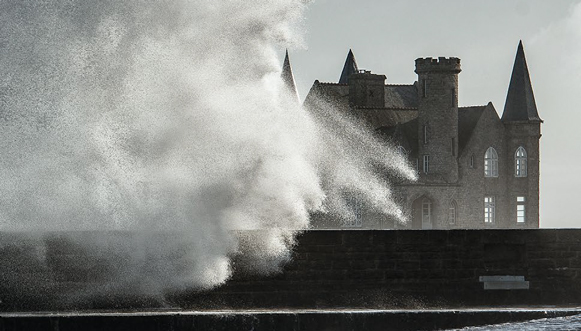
(382, 320)
(329, 269)
(414, 269)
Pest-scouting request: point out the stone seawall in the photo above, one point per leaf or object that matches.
(415, 269)
(330, 269)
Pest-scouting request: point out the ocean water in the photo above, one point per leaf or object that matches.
(557, 324)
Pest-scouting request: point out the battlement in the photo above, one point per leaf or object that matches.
(367, 75)
(441, 64)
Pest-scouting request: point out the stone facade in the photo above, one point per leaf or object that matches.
(475, 169)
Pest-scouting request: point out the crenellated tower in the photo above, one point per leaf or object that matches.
(438, 119)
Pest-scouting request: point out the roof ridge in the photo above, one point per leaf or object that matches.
(472, 106)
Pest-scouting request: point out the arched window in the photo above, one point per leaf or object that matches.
(452, 212)
(491, 163)
(520, 162)
(401, 151)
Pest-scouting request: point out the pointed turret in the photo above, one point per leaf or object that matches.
(520, 101)
(349, 68)
(287, 76)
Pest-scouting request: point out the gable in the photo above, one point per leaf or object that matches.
(488, 131)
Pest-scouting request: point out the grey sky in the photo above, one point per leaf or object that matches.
(387, 36)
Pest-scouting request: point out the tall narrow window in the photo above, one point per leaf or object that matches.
(452, 210)
(453, 98)
(401, 150)
(425, 88)
(426, 214)
(491, 163)
(520, 162)
(426, 164)
(520, 209)
(453, 146)
(471, 162)
(425, 132)
(489, 210)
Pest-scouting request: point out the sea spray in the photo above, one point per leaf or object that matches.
(163, 118)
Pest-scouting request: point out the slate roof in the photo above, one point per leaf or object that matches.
(396, 96)
(349, 68)
(401, 96)
(520, 101)
(467, 119)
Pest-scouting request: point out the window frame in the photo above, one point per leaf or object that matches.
(453, 213)
(521, 208)
(491, 163)
(520, 162)
(402, 151)
(489, 209)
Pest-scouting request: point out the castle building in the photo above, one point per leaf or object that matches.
(476, 170)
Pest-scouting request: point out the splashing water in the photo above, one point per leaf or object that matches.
(170, 116)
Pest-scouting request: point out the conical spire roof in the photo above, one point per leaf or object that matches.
(520, 101)
(349, 68)
(287, 76)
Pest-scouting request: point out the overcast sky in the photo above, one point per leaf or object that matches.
(387, 36)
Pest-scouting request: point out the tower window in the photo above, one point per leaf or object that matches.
(520, 209)
(491, 163)
(425, 132)
(425, 88)
(453, 94)
(471, 162)
(520, 162)
(426, 164)
(489, 210)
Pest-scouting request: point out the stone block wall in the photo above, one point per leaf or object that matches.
(415, 269)
(329, 269)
